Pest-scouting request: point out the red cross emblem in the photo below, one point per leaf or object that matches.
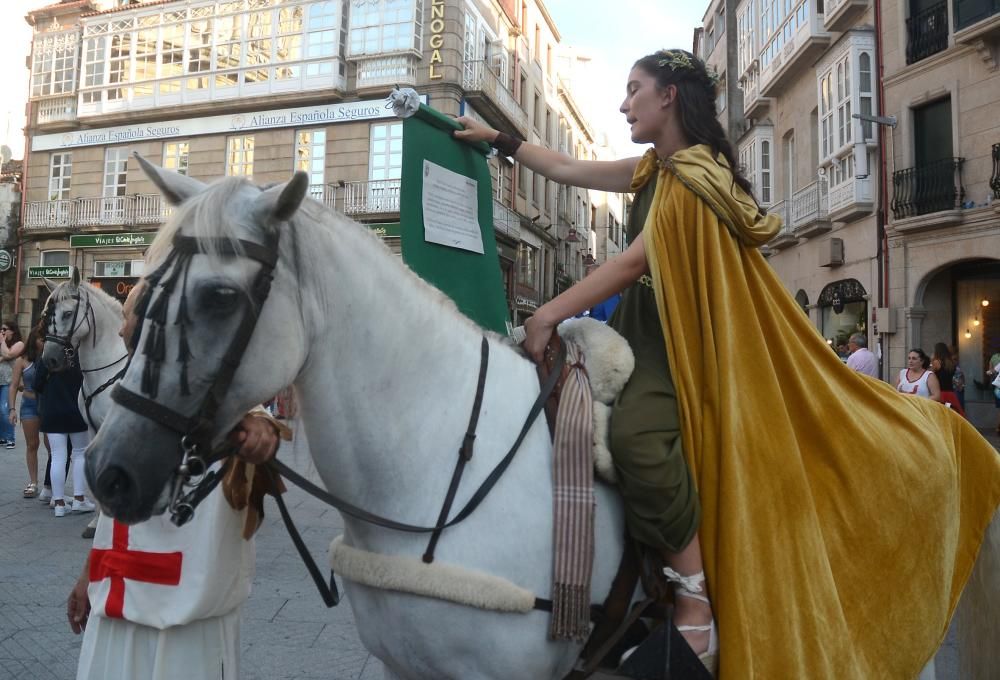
(120, 563)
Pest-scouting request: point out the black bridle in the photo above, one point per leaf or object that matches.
(196, 430)
(72, 352)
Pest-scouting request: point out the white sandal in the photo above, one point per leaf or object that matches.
(691, 586)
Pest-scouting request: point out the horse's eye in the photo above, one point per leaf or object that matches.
(220, 300)
(67, 315)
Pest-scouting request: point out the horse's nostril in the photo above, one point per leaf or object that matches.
(114, 484)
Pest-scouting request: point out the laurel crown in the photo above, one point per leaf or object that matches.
(679, 60)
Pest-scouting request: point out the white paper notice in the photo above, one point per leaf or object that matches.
(451, 209)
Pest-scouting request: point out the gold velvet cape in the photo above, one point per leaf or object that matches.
(840, 519)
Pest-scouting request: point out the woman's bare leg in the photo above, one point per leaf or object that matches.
(30, 429)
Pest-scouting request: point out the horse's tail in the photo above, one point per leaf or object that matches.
(977, 621)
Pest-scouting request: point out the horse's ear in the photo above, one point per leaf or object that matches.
(175, 187)
(280, 202)
(50, 284)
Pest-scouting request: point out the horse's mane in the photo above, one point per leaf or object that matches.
(216, 213)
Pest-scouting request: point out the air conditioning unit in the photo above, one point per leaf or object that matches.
(831, 253)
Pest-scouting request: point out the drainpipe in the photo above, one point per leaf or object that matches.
(882, 255)
(24, 199)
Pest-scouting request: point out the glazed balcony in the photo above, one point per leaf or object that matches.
(809, 210)
(373, 197)
(851, 199)
(793, 48)
(932, 188)
(55, 110)
(842, 15)
(387, 71)
(927, 33)
(96, 211)
(785, 238)
(492, 99)
(754, 105)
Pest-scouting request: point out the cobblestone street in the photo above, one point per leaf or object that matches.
(287, 633)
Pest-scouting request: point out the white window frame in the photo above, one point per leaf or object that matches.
(378, 27)
(310, 157)
(756, 156)
(53, 64)
(849, 92)
(385, 151)
(239, 155)
(527, 266)
(176, 156)
(60, 182)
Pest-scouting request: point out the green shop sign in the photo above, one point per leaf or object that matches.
(140, 239)
(60, 272)
(385, 229)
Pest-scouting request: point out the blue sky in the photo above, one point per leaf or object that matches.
(615, 34)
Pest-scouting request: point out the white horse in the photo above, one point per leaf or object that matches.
(84, 320)
(385, 370)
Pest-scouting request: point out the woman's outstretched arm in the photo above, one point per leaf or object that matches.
(613, 176)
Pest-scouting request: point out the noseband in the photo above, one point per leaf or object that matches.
(196, 430)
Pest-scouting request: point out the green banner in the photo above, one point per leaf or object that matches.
(60, 272)
(140, 239)
(449, 183)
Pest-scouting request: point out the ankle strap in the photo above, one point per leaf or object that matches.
(687, 586)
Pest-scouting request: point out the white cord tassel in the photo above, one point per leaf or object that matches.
(691, 584)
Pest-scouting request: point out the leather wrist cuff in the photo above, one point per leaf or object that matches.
(506, 144)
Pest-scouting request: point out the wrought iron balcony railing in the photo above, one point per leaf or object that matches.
(928, 188)
(995, 177)
(927, 32)
(505, 220)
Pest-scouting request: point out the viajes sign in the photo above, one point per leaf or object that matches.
(61, 272)
(133, 240)
(342, 112)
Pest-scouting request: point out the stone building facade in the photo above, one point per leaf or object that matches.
(265, 87)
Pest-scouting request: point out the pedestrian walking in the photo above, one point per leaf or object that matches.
(11, 347)
(23, 380)
(862, 359)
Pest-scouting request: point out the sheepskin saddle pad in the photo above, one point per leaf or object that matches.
(610, 363)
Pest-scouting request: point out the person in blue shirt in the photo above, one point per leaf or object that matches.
(602, 310)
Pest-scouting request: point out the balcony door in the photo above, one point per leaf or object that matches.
(934, 180)
(115, 171)
(385, 165)
(932, 133)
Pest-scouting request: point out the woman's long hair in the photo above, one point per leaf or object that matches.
(31, 351)
(696, 103)
(15, 332)
(943, 355)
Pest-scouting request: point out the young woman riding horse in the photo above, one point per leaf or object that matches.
(782, 481)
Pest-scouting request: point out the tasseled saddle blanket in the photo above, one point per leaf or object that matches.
(609, 363)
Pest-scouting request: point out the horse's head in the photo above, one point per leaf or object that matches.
(215, 338)
(68, 320)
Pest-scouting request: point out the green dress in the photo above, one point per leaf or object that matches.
(661, 502)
